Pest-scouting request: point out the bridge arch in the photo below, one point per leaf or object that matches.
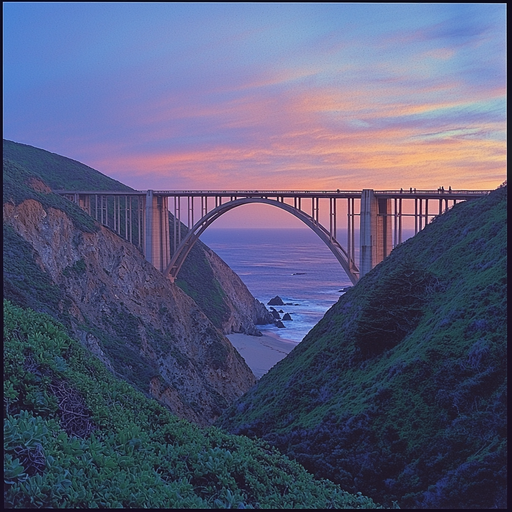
(195, 232)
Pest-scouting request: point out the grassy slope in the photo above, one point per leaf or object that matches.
(400, 390)
(195, 272)
(58, 172)
(76, 437)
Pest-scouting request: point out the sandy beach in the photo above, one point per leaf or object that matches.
(261, 352)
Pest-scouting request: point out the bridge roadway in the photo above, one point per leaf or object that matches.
(140, 217)
(338, 194)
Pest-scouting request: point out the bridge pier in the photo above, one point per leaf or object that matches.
(375, 230)
(157, 248)
(84, 201)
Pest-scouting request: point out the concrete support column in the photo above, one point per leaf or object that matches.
(84, 200)
(164, 245)
(368, 230)
(156, 231)
(332, 217)
(384, 230)
(148, 226)
(375, 230)
(400, 222)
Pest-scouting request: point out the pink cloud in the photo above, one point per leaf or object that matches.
(259, 133)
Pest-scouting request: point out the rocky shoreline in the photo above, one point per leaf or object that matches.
(278, 320)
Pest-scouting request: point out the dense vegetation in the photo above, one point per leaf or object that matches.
(76, 437)
(400, 390)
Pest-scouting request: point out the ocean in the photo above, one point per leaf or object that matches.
(291, 263)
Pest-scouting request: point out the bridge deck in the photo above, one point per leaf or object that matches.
(406, 194)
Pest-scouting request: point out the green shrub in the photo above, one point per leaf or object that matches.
(77, 437)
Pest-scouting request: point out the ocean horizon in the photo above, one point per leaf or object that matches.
(292, 263)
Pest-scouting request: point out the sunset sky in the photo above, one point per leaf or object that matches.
(302, 96)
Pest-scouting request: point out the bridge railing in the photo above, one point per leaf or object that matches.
(257, 192)
(436, 191)
(316, 193)
(267, 192)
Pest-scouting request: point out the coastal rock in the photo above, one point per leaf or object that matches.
(275, 314)
(280, 324)
(137, 322)
(287, 316)
(276, 301)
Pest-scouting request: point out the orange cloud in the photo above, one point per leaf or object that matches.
(316, 138)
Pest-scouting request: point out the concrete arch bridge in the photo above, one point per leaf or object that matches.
(142, 218)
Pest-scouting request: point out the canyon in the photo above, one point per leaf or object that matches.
(143, 327)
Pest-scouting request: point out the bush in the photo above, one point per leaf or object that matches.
(76, 437)
(393, 308)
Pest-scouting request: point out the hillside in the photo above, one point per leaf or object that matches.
(221, 295)
(77, 437)
(58, 260)
(400, 390)
(142, 326)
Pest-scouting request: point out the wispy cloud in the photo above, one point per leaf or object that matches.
(329, 96)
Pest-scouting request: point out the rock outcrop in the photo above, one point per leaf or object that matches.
(142, 326)
(275, 314)
(276, 301)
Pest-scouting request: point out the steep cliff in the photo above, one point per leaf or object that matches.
(231, 308)
(228, 303)
(141, 325)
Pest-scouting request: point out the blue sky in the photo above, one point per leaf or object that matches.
(263, 95)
